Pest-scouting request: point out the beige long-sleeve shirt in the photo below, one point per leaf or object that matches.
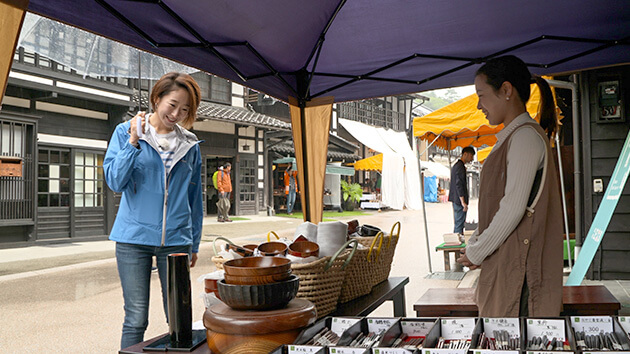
(525, 156)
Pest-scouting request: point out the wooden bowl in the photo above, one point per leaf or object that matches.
(304, 249)
(272, 248)
(256, 266)
(256, 280)
(259, 297)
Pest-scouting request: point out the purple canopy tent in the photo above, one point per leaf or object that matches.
(350, 50)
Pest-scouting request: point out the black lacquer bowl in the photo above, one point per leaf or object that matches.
(259, 297)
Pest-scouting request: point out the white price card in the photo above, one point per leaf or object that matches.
(603, 352)
(445, 351)
(416, 328)
(457, 328)
(510, 325)
(488, 351)
(563, 352)
(348, 350)
(299, 349)
(592, 324)
(549, 328)
(392, 351)
(340, 324)
(625, 323)
(380, 325)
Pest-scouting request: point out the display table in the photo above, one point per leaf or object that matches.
(447, 253)
(459, 302)
(393, 289)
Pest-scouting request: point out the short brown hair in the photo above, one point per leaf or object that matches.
(172, 81)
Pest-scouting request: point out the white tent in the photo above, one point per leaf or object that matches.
(400, 166)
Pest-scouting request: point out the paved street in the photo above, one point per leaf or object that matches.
(60, 305)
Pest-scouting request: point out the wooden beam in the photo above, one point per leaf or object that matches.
(11, 17)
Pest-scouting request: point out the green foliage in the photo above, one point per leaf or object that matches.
(352, 191)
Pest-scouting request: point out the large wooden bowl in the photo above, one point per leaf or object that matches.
(255, 266)
(256, 279)
(259, 297)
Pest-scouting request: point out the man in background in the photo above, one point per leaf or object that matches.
(224, 184)
(459, 189)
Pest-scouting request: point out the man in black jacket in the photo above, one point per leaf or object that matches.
(459, 189)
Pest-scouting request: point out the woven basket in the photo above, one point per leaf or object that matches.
(218, 260)
(384, 263)
(321, 280)
(360, 271)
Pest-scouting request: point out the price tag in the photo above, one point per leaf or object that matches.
(592, 324)
(563, 352)
(416, 328)
(380, 325)
(340, 324)
(625, 323)
(549, 328)
(446, 351)
(616, 352)
(299, 349)
(487, 351)
(458, 328)
(348, 350)
(391, 351)
(501, 324)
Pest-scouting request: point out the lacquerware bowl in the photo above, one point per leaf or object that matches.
(272, 248)
(256, 266)
(259, 297)
(256, 279)
(242, 250)
(304, 249)
(369, 230)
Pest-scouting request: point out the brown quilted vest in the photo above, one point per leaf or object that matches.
(533, 249)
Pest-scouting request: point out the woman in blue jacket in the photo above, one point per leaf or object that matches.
(157, 167)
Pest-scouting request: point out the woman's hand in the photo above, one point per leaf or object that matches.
(133, 129)
(463, 260)
(193, 260)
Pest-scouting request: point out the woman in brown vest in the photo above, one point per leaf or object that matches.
(518, 243)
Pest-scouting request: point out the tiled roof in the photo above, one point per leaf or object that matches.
(221, 112)
(287, 149)
(214, 111)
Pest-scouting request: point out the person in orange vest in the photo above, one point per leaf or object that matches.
(290, 187)
(225, 188)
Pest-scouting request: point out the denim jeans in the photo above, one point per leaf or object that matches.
(290, 200)
(134, 269)
(460, 218)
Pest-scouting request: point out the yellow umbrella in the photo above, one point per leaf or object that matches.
(483, 153)
(373, 163)
(462, 124)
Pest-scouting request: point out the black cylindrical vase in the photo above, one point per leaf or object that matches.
(179, 300)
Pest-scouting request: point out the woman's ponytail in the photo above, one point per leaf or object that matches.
(547, 110)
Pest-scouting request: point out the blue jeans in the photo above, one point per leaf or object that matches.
(134, 269)
(290, 200)
(460, 218)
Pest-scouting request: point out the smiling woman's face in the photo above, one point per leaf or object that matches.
(490, 101)
(171, 109)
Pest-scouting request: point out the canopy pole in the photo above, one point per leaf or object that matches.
(310, 125)
(424, 210)
(12, 14)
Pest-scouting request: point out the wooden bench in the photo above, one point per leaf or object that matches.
(393, 289)
(459, 302)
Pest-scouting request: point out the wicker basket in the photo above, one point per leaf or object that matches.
(321, 280)
(218, 260)
(384, 262)
(360, 271)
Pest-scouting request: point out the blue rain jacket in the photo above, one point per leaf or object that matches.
(156, 209)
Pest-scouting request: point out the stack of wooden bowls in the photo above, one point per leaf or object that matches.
(258, 283)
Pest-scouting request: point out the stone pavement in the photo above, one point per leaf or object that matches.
(67, 297)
